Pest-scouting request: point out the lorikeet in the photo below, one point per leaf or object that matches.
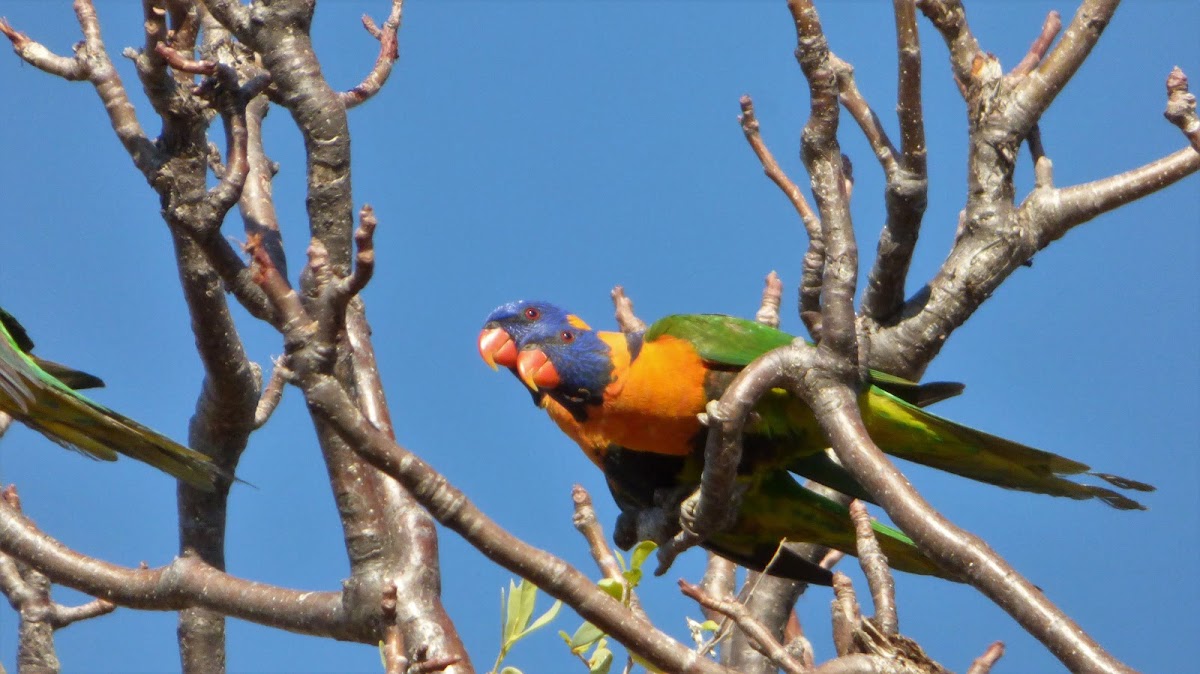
(41, 395)
(631, 400)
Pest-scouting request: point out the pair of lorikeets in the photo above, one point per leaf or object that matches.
(42, 395)
(631, 401)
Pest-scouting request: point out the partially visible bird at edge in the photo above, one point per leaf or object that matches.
(44, 396)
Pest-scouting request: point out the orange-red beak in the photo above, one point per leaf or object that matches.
(497, 348)
(536, 370)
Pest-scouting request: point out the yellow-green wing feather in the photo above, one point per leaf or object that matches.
(41, 401)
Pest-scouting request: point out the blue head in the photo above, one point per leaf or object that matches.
(511, 323)
(566, 359)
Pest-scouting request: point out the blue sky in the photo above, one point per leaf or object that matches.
(553, 150)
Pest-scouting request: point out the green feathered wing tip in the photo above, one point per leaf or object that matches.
(31, 392)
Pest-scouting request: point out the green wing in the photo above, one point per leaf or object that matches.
(908, 432)
(728, 342)
(891, 410)
(775, 509)
(40, 400)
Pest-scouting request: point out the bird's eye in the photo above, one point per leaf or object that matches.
(533, 314)
(567, 336)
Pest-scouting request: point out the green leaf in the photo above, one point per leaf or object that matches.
(633, 577)
(613, 588)
(526, 596)
(584, 637)
(640, 552)
(511, 670)
(542, 621)
(710, 626)
(601, 660)
(510, 614)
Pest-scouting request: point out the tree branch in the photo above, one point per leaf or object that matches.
(1032, 95)
(875, 567)
(626, 319)
(91, 62)
(389, 53)
(814, 257)
(186, 581)
(983, 664)
(1037, 50)
(28, 591)
(950, 18)
(1181, 107)
(953, 549)
(760, 637)
(772, 297)
(1052, 212)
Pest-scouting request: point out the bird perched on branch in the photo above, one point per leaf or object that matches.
(632, 402)
(42, 395)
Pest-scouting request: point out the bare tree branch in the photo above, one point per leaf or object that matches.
(909, 108)
(814, 257)
(272, 393)
(187, 581)
(949, 17)
(983, 664)
(1181, 107)
(389, 53)
(626, 319)
(91, 62)
(1052, 213)
(950, 547)
(586, 523)
(28, 591)
(875, 567)
(720, 574)
(1037, 51)
(760, 637)
(772, 296)
(769, 600)
(1032, 95)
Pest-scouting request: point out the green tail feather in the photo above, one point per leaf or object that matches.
(908, 432)
(42, 401)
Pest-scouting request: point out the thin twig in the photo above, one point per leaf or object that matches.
(760, 637)
(846, 614)
(814, 257)
(392, 647)
(389, 53)
(271, 395)
(983, 664)
(875, 567)
(909, 109)
(1181, 107)
(772, 296)
(867, 120)
(1037, 50)
(626, 319)
(586, 523)
(364, 259)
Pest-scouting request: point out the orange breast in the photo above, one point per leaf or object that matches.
(650, 406)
